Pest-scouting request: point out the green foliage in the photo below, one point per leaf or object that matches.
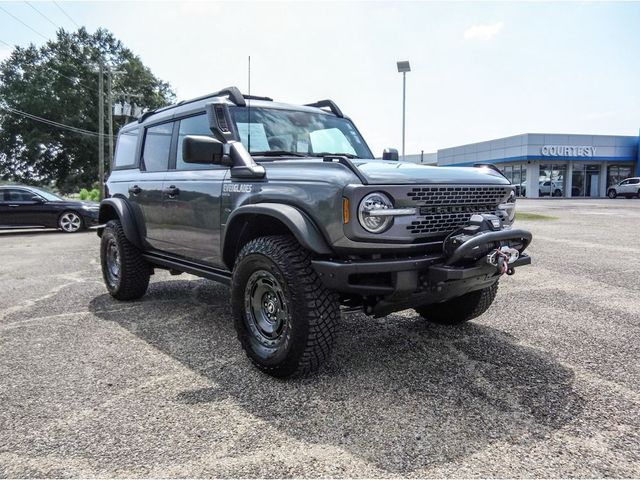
(59, 81)
(91, 195)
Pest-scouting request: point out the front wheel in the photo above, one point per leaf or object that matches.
(284, 315)
(461, 309)
(612, 193)
(70, 222)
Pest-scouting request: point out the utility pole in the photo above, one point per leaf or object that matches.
(403, 67)
(101, 128)
(110, 114)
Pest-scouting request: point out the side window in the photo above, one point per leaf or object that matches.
(634, 181)
(626, 182)
(198, 125)
(126, 149)
(15, 195)
(157, 142)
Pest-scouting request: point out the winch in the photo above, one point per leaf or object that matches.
(485, 236)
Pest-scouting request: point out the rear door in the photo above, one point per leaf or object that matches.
(145, 188)
(191, 198)
(17, 208)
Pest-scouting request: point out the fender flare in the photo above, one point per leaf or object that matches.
(126, 214)
(300, 225)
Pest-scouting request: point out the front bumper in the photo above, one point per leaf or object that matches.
(418, 280)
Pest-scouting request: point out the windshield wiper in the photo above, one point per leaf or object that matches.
(278, 153)
(325, 154)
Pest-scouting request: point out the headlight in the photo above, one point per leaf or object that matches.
(509, 209)
(370, 204)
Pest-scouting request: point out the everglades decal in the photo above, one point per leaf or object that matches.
(237, 188)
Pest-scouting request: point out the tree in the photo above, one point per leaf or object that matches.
(59, 82)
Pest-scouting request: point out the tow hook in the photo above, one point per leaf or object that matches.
(502, 257)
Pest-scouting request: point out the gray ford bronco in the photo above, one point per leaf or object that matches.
(287, 205)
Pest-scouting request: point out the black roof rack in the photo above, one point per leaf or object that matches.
(232, 92)
(327, 103)
(256, 97)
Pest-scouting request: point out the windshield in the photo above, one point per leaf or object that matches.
(46, 195)
(273, 131)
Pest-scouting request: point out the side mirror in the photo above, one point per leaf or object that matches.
(390, 154)
(202, 149)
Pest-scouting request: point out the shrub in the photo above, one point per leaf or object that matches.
(84, 194)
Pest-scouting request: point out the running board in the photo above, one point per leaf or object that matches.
(186, 266)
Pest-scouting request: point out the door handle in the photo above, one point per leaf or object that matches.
(13, 206)
(135, 190)
(172, 191)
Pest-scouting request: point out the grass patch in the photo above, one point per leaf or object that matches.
(533, 216)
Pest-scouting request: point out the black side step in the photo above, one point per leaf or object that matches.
(205, 271)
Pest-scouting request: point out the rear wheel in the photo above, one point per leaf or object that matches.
(284, 316)
(126, 274)
(70, 222)
(461, 309)
(612, 193)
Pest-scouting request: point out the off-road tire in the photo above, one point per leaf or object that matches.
(612, 193)
(460, 309)
(308, 327)
(133, 277)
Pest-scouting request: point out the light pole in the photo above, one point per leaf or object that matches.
(404, 67)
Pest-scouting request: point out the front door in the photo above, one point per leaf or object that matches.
(192, 192)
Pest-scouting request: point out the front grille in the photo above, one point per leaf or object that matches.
(443, 209)
(458, 195)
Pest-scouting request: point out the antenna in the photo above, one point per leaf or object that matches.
(249, 108)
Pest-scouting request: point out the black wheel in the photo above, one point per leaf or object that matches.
(612, 193)
(557, 192)
(461, 309)
(126, 274)
(284, 316)
(70, 222)
(638, 196)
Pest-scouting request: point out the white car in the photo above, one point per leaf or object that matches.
(629, 187)
(551, 188)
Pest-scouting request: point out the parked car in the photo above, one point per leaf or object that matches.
(551, 188)
(30, 207)
(287, 205)
(629, 187)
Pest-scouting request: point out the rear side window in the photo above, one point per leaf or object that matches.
(157, 142)
(15, 195)
(634, 181)
(198, 125)
(126, 149)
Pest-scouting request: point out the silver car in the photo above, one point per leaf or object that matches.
(629, 187)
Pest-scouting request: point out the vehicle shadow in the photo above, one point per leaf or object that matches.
(398, 392)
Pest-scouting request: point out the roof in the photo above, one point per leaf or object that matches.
(232, 97)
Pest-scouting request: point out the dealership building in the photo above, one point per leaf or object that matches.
(541, 164)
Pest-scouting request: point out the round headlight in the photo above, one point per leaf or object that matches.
(370, 204)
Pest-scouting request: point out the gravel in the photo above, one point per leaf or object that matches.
(545, 384)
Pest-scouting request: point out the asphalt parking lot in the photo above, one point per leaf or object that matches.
(545, 384)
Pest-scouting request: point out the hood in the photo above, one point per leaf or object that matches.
(77, 203)
(382, 172)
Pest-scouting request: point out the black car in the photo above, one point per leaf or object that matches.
(31, 207)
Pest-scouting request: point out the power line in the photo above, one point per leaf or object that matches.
(17, 19)
(5, 43)
(50, 122)
(43, 15)
(66, 14)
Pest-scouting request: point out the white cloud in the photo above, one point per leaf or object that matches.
(5, 52)
(483, 32)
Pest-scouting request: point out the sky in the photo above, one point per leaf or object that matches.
(479, 70)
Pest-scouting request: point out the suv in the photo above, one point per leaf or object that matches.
(287, 205)
(626, 188)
